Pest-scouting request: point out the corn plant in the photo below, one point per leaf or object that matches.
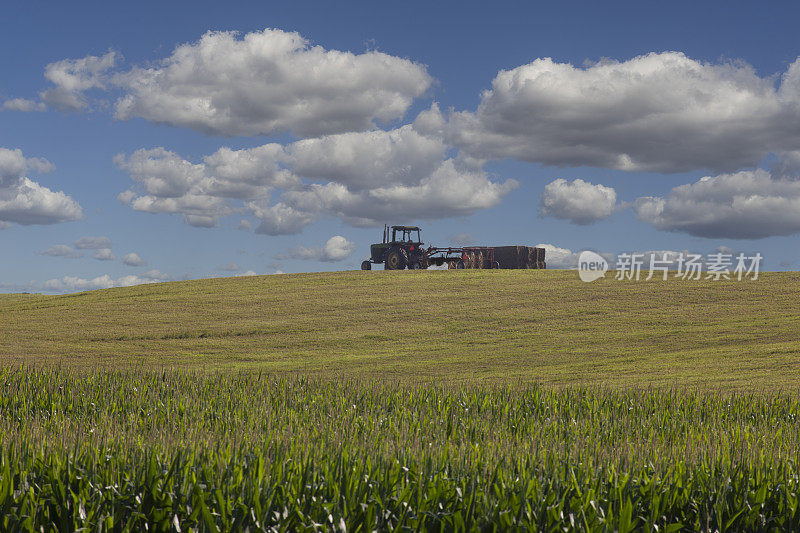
(179, 451)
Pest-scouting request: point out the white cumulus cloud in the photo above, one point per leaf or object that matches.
(337, 248)
(279, 219)
(578, 201)
(72, 77)
(660, 112)
(61, 250)
(104, 254)
(23, 104)
(267, 82)
(202, 191)
(133, 259)
(14, 166)
(68, 284)
(448, 191)
(361, 178)
(564, 258)
(29, 203)
(557, 257)
(369, 159)
(92, 243)
(24, 201)
(750, 204)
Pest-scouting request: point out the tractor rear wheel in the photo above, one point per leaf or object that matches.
(396, 259)
(366, 265)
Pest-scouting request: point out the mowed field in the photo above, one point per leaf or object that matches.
(479, 326)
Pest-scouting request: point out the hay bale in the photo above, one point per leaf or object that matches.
(508, 256)
(532, 256)
(519, 256)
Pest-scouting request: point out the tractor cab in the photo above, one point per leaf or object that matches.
(406, 235)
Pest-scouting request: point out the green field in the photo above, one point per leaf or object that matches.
(118, 451)
(461, 326)
(403, 401)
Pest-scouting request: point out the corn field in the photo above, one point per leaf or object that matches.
(177, 451)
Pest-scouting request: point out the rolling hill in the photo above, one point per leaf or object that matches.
(459, 326)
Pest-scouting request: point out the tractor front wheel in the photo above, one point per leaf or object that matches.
(396, 259)
(366, 265)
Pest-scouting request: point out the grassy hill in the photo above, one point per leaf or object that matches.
(461, 326)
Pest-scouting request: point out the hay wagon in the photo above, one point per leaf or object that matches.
(402, 247)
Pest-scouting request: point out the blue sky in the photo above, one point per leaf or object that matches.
(685, 91)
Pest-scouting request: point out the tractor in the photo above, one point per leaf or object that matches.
(401, 248)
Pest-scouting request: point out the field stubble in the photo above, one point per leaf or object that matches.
(503, 326)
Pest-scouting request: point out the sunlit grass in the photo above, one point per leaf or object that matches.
(492, 326)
